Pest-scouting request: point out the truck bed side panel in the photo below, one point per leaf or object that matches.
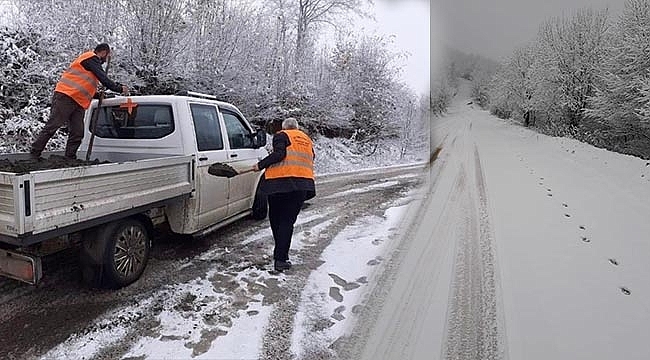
(63, 197)
(8, 205)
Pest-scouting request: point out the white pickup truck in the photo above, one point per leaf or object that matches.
(155, 153)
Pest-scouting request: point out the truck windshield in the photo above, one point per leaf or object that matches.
(135, 122)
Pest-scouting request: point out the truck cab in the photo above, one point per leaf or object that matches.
(187, 124)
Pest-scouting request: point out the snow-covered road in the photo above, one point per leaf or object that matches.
(215, 297)
(525, 247)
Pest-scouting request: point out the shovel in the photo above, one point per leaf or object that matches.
(225, 170)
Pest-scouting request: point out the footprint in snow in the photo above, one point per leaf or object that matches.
(565, 205)
(338, 313)
(347, 286)
(335, 293)
(613, 262)
(337, 279)
(567, 215)
(625, 290)
(581, 227)
(585, 239)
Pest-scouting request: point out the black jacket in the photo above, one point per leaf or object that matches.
(288, 184)
(94, 65)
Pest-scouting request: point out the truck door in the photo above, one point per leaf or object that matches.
(213, 191)
(241, 155)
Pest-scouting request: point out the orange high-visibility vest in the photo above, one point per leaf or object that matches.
(299, 161)
(79, 83)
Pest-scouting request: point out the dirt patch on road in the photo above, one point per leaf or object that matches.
(51, 162)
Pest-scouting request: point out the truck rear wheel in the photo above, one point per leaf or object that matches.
(115, 254)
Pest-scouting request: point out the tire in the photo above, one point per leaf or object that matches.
(260, 204)
(115, 255)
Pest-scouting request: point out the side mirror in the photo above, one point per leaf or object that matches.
(260, 138)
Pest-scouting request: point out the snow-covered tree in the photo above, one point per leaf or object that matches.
(442, 91)
(621, 99)
(366, 73)
(25, 85)
(570, 53)
(314, 12)
(515, 90)
(481, 76)
(155, 33)
(243, 51)
(69, 27)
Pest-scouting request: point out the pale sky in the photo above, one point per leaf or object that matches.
(494, 28)
(408, 21)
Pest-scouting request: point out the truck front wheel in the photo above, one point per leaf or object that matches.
(115, 254)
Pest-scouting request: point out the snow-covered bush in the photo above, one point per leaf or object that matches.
(26, 83)
(241, 51)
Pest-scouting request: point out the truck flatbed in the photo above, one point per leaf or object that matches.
(37, 204)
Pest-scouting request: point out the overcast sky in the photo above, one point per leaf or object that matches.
(408, 22)
(494, 28)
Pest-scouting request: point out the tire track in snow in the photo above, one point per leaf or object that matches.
(475, 329)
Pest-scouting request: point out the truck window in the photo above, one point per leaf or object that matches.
(206, 127)
(239, 136)
(141, 122)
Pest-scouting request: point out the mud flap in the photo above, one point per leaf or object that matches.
(22, 267)
(91, 258)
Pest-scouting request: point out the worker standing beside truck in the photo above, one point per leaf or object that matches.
(72, 96)
(289, 181)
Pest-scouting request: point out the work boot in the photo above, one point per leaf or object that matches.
(282, 265)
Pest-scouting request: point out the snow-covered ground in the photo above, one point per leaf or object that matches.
(518, 246)
(571, 228)
(226, 313)
(532, 247)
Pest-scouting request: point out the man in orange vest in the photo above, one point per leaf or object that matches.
(72, 96)
(288, 182)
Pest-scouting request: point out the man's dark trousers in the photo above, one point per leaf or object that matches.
(64, 110)
(283, 211)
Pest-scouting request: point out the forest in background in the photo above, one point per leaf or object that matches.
(263, 56)
(585, 76)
